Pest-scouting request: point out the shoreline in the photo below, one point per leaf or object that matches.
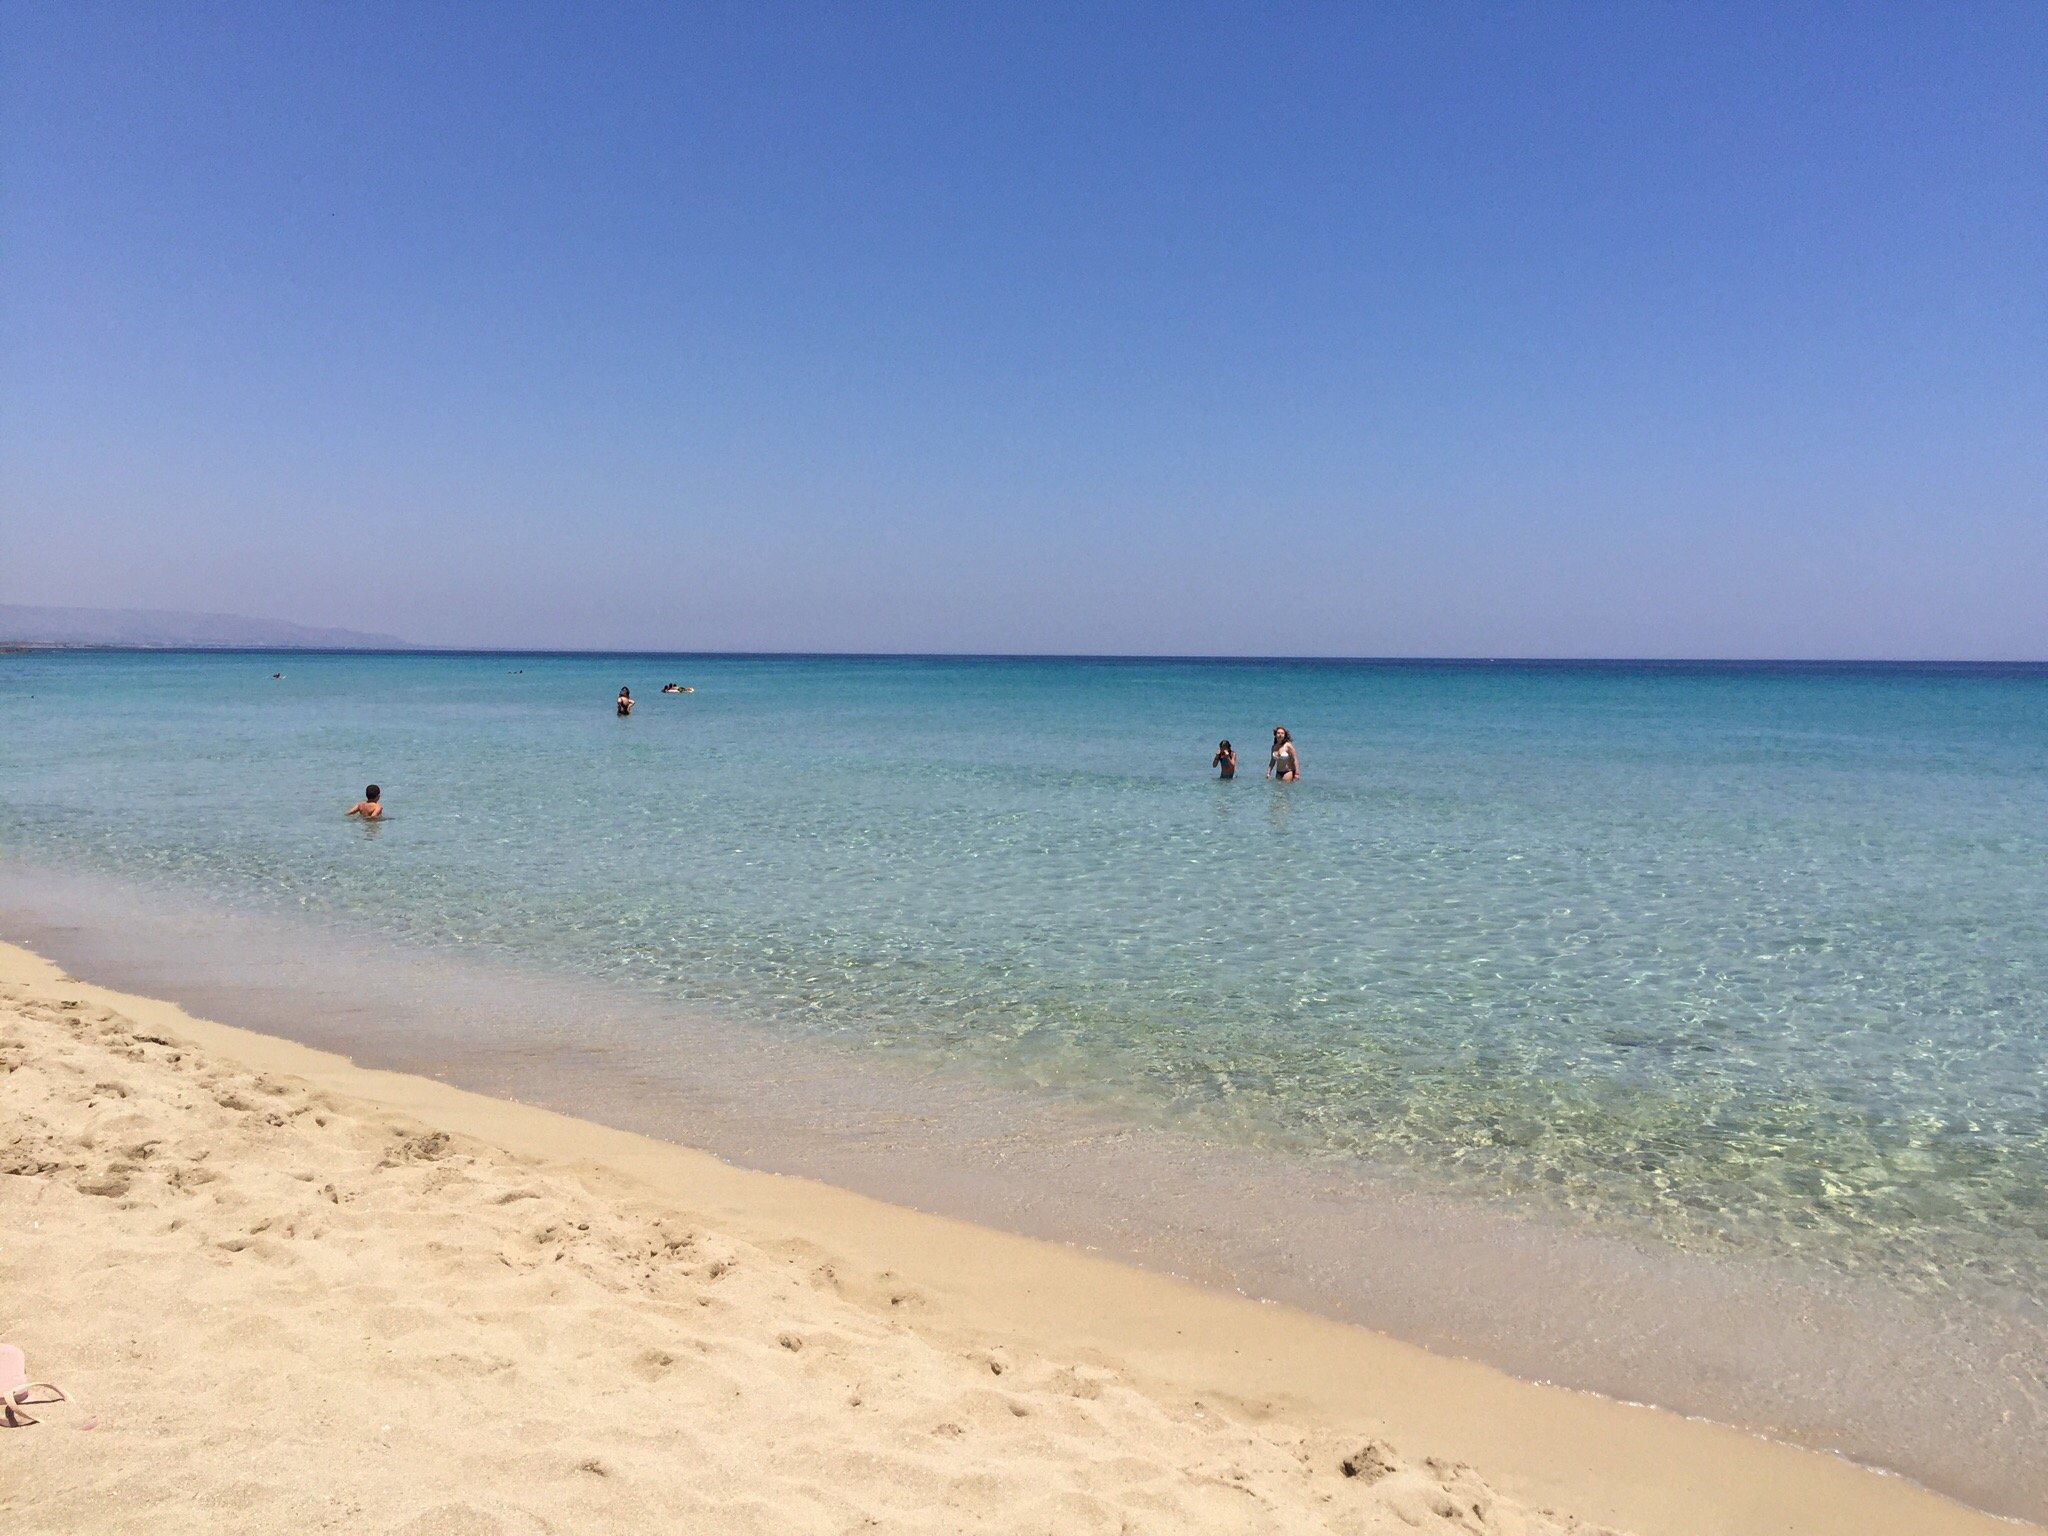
(1765, 1351)
(1641, 1469)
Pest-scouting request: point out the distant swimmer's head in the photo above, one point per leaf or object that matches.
(1223, 746)
(625, 693)
(373, 794)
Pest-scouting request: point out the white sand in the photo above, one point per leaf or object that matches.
(292, 1295)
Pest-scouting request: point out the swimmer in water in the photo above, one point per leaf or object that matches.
(625, 702)
(1284, 764)
(1225, 761)
(371, 806)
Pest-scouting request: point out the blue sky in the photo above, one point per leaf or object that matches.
(1639, 329)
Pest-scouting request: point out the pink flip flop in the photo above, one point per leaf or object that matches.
(15, 1388)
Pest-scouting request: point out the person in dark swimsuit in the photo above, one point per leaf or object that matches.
(1225, 761)
(625, 702)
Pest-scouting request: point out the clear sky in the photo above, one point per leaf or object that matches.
(1467, 329)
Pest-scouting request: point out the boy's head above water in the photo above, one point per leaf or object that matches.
(373, 794)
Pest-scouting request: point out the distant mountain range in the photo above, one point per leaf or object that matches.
(26, 624)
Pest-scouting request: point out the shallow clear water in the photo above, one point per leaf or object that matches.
(1753, 959)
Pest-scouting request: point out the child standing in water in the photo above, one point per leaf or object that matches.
(371, 806)
(1225, 761)
(625, 702)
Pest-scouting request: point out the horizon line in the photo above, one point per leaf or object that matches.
(20, 647)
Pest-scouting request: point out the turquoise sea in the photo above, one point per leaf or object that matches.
(1731, 965)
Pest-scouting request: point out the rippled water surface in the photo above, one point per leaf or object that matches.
(1753, 959)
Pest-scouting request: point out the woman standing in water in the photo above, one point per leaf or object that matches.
(625, 702)
(1284, 764)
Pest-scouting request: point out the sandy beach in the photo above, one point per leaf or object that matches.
(289, 1293)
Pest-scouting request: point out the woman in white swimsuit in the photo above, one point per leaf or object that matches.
(1283, 764)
